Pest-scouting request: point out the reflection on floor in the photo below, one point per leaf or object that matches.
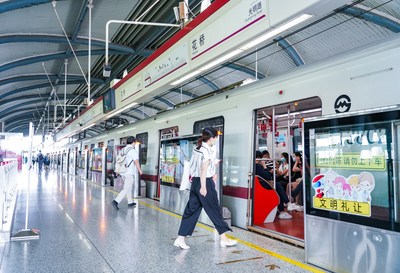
(293, 227)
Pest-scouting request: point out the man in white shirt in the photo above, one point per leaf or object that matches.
(132, 165)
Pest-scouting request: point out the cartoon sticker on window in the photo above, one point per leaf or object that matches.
(347, 195)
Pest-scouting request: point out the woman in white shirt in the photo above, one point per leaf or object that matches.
(203, 193)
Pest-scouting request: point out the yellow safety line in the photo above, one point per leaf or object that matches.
(248, 244)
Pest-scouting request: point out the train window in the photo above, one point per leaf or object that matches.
(217, 123)
(143, 142)
(169, 132)
(352, 176)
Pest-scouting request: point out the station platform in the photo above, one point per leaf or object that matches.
(80, 231)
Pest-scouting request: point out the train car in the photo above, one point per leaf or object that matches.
(271, 114)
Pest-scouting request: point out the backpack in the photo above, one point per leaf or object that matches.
(120, 166)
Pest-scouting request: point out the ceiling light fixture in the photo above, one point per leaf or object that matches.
(121, 110)
(276, 31)
(188, 76)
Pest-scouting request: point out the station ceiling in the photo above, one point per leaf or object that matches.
(37, 60)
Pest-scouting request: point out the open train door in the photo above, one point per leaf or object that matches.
(278, 131)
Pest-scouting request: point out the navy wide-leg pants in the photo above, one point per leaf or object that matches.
(196, 203)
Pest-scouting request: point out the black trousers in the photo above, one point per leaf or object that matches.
(196, 203)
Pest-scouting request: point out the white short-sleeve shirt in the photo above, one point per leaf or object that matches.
(198, 157)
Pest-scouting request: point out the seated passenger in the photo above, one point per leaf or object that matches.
(297, 184)
(283, 170)
(269, 163)
(262, 171)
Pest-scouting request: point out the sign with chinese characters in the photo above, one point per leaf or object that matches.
(166, 65)
(344, 206)
(123, 94)
(242, 17)
(352, 161)
(350, 195)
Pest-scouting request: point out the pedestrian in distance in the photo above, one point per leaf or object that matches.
(132, 164)
(203, 193)
(40, 160)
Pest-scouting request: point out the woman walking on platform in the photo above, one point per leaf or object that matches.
(203, 193)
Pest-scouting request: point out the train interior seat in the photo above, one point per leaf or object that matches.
(265, 203)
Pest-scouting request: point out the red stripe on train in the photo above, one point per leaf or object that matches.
(149, 177)
(238, 192)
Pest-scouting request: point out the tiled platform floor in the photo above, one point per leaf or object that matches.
(81, 232)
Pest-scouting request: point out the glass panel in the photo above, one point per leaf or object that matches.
(350, 171)
(97, 158)
(351, 161)
(217, 123)
(143, 142)
(172, 157)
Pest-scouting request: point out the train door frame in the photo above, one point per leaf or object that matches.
(174, 132)
(289, 109)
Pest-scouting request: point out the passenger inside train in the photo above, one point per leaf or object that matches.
(266, 181)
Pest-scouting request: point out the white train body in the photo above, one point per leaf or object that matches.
(369, 76)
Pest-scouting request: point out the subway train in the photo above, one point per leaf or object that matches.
(342, 114)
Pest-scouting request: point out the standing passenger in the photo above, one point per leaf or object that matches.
(131, 163)
(203, 193)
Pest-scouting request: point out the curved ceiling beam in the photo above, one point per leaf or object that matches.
(165, 101)
(34, 77)
(49, 57)
(151, 106)
(212, 85)
(290, 50)
(11, 115)
(20, 118)
(130, 116)
(22, 121)
(69, 96)
(79, 20)
(140, 113)
(186, 93)
(244, 69)
(9, 109)
(24, 131)
(60, 39)
(375, 18)
(37, 86)
(13, 5)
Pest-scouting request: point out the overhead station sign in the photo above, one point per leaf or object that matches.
(222, 31)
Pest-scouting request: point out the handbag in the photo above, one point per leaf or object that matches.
(185, 181)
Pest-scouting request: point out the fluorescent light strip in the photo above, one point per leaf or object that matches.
(87, 127)
(221, 59)
(188, 76)
(121, 110)
(276, 31)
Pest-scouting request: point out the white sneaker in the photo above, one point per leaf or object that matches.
(181, 244)
(228, 242)
(300, 208)
(284, 215)
(292, 206)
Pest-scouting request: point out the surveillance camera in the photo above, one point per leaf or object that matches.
(176, 12)
(106, 70)
(80, 124)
